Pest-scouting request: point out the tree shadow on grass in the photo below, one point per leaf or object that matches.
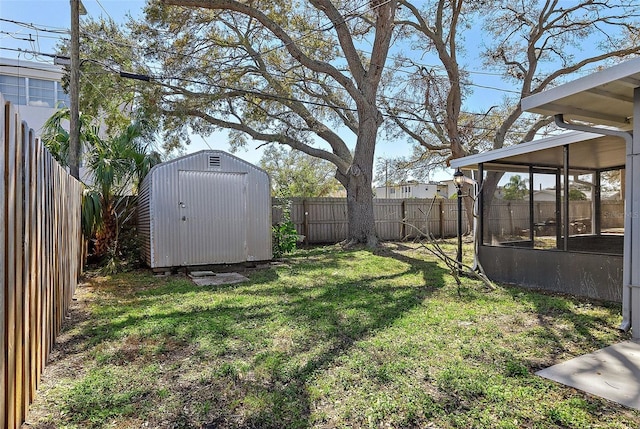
(246, 362)
(568, 320)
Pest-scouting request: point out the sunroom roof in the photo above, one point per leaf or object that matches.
(604, 97)
(587, 152)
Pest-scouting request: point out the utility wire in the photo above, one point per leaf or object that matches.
(258, 94)
(27, 51)
(105, 10)
(14, 35)
(400, 69)
(56, 30)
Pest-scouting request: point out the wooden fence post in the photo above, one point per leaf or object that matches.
(403, 226)
(305, 220)
(10, 278)
(441, 217)
(4, 134)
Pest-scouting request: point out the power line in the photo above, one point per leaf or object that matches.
(14, 35)
(27, 51)
(105, 10)
(399, 69)
(37, 27)
(130, 75)
(280, 97)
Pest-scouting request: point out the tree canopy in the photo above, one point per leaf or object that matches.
(515, 189)
(322, 77)
(529, 46)
(296, 174)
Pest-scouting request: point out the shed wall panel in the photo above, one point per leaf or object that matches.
(213, 218)
(165, 204)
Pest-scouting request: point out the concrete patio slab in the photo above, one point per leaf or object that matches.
(612, 373)
(194, 274)
(219, 279)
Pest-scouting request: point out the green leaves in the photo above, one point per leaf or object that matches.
(116, 166)
(516, 188)
(295, 174)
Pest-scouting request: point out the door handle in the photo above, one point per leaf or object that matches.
(184, 218)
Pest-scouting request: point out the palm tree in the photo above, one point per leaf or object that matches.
(117, 166)
(516, 189)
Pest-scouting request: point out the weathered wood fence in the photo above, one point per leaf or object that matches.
(324, 220)
(40, 260)
(509, 216)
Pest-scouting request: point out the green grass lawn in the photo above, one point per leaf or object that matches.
(330, 338)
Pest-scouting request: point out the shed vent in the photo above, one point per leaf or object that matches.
(214, 161)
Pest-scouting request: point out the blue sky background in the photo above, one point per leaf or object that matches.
(55, 15)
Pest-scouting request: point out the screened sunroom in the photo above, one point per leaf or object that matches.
(551, 213)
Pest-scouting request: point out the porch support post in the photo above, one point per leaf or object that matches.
(630, 270)
(531, 212)
(480, 216)
(631, 266)
(565, 203)
(596, 205)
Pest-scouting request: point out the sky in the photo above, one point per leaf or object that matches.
(55, 14)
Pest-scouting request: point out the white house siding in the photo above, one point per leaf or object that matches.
(412, 190)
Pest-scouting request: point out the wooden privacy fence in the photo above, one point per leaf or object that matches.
(324, 220)
(507, 217)
(40, 260)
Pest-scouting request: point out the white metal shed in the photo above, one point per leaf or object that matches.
(205, 208)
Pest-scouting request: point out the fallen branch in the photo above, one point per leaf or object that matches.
(456, 268)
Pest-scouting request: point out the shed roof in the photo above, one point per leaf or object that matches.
(170, 163)
(604, 97)
(587, 152)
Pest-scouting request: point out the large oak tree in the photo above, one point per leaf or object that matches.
(533, 44)
(305, 75)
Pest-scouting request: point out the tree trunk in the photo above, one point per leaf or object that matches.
(107, 233)
(467, 200)
(362, 227)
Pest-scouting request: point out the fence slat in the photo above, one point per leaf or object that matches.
(40, 260)
(10, 308)
(324, 220)
(3, 267)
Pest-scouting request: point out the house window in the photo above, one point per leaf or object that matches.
(42, 93)
(13, 89)
(61, 96)
(32, 92)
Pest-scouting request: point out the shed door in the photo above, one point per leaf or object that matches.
(212, 217)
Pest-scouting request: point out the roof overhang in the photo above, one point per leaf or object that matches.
(603, 98)
(587, 152)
